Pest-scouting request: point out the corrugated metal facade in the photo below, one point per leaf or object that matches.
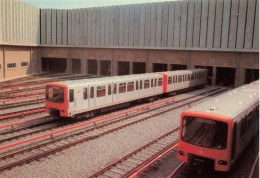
(229, 25)
(20, 23)
(199, 24)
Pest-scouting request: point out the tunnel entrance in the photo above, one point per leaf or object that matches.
(76, 66)
(178, 67)
(123, 68)
(92, 66)
(139, 67)
(251, 75)
(209, 74)
(105, 68)
(159, 67)
(54, 65)
(225, 76)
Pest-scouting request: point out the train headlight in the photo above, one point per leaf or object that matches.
(182, 153)
(222, 162)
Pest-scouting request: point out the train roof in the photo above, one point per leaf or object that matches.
(96, 81)
(232, 103)
(180, 72)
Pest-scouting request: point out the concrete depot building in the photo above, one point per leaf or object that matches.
(220, 35)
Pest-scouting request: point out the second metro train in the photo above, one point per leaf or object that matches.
(88, 96)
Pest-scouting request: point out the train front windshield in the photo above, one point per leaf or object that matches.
(54, 94)
(204, 132)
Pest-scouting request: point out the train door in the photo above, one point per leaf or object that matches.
(92, 97)
(85, 102)
(72, 102)
(78, 98)
(114, 92)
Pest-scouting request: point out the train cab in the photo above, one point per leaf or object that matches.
(56, 99)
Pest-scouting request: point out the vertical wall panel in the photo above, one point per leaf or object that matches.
(73, 28)
(98, 26)
(38, 26)
(184, 11)
(64, 26)
(241, 24)
(131, 25)
(142, 25)
(171, 24)
(1, 21)
(48, 25)
(177, 24)
(211, 23)
(226, 22)
(85, 31)
(4, 20)
(190, 23)
(196, 32)
(126, 25)
(218, 23)
(204, 23)
(93, 26)
(102, 26)
(250, 23)
(158, 38)
(233, 24)
(147, 27)
(81, 26)
(153, 25)
(121, 25)
(137, 25)
(165, 20)
(8, 19)
(20, 33)
(11, 20)
(77, 29)
(15, 20)
(43, 26)
(107, 17)
(69, 27)
(59, 25)
(30, 23)
(53, 26)
(111, 25)
(256, 27)
(89, 27)
(117, 25)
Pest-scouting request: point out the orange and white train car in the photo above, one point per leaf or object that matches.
(88, 96)
(216, 131)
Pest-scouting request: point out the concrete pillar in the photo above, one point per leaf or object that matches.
(4, 65)
(98, 67)
(40, 60)
(214, 76)
(68, 70)
(237, 70)
(168, 67)
(84, 66)
(131, 67)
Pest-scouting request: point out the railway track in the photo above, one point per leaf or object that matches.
(131, 163)
(63, 140)
(20, 104)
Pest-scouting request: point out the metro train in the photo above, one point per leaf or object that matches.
(89, 96)
(215, 132)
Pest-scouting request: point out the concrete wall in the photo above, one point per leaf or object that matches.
(229, 25)
(1, 62)
(20, 23)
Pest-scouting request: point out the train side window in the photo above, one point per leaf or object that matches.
(114, 88)
(249, 120)
(130, 86)
(92, 92)
(146, 84)
(188, 78)
(122, 87)
(169, 80)
(151, 83)
(155, 82)
(101, 91)
(85, 93)
(192, 77)
(71, 95)
(136, 85)
(179, 79)
(160, 82)
(141, 84)
(243, 126)
(109, 89)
